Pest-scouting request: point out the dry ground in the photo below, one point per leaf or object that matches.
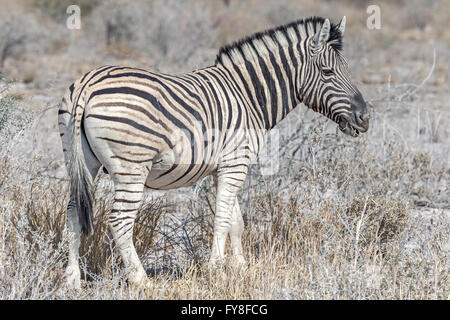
(343, 218)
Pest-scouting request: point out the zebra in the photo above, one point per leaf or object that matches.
(161, 131)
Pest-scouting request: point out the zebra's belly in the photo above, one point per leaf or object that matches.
(172, 171)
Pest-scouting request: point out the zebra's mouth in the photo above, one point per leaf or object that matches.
(347, 128)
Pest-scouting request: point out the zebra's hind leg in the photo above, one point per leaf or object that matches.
(129, 189)
(72, 272)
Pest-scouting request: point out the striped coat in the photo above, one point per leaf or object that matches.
(164, 131)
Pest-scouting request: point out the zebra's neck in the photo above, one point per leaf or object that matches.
(267, 67)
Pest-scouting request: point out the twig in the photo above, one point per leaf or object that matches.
(417, 87)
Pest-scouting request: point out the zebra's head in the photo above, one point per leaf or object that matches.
(327, 86)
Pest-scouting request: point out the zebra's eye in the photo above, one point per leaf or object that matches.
(327, 72)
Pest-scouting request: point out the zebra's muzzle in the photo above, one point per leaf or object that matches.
(347, 128)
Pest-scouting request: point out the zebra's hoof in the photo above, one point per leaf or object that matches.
(138, 280)
(73, 278)
(214, 264)
(238, 261)
(143, 285)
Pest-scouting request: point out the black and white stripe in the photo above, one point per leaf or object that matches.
(168, 131)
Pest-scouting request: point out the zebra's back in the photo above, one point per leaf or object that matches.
(172, 124)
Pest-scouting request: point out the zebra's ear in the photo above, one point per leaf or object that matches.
(322, 36)
(342, 25)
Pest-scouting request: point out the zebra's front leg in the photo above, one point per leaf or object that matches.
(237, 227)
(129, 188)
(227, 189)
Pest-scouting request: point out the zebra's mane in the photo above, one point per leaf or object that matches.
(236, 51)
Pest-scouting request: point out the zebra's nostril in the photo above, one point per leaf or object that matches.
(364, 117)
(362, 120)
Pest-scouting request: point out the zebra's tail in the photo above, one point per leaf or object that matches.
(81, 185)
